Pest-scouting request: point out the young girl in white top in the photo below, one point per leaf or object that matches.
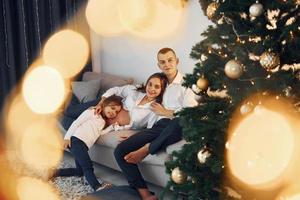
(137, 101)
(83, 133)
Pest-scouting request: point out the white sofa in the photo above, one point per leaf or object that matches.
(152, 167)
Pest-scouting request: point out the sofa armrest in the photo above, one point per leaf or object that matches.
(175, 147)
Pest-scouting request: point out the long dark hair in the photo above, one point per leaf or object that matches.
(163, 82)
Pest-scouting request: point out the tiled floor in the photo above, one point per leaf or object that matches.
(117, 178)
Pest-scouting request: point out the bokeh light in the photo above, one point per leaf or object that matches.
(43, 89)
(260, 148)
(103, 18)
(290, 193)
(137, 15)
(8, 178)
(41, 145)
(67, 51)
(35, 189)
(151, 19)
(19, 117)
(294, 197)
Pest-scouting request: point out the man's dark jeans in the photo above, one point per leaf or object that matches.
(162, 134)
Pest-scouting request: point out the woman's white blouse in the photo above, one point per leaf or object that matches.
(141, 116)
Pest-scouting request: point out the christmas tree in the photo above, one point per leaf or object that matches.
(249, 61)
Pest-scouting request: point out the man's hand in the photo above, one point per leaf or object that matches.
(160, 110)
(67, 144)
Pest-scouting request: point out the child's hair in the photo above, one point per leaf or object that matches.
(163, 82)
(113, 100)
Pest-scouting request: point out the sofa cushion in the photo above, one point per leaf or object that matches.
(158, 159)
(107, 81)
(86, 90)
(111, 139)
(175, 147)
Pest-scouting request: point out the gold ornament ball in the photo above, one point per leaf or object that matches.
(178, 176)
(233, 69)
(269, 60)
(211, 10)
(202, 83)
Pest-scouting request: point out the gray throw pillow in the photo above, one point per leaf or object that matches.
(86, 90)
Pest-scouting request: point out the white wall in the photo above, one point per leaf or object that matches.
(131, 56)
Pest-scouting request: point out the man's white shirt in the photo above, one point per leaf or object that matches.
(177, 97)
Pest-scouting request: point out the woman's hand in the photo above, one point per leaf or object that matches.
(160, 110)
(123, 137)
(67, 144)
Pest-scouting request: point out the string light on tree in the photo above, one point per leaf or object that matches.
(233, 69)
(178, 176)
(256, 9)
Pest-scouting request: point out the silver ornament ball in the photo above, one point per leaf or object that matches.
(233, 69)
(196, 89)
(178, 176)
(256, 9)
(245, 109)
(203, 155)
(288, 91)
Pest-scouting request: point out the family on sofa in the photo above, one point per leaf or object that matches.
(151, 107)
